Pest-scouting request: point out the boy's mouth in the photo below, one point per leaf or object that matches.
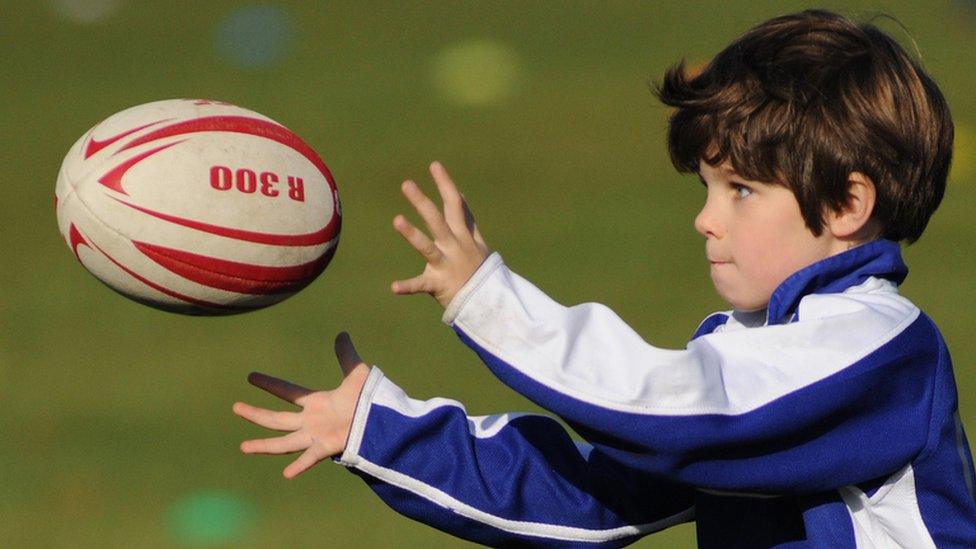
(714, 257)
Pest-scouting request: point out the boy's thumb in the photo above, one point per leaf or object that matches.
(346, 353)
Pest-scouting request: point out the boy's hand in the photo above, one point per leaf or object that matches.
(321, 428)
(457, 249)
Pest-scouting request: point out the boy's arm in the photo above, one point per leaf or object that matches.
(499, 480)
(807, 406)
(509, 479)
(842, 396)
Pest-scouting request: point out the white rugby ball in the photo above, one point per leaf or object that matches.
(198, 207)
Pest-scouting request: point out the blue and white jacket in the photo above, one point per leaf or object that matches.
(831, 421)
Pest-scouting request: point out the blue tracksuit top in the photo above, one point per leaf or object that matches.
(829, 421)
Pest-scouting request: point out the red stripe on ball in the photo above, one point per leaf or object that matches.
(237, 124)
(113, 178)
(168, 291)
(95, 145)
(233, 276)
(320, 236)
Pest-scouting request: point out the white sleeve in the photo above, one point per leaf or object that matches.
(766, 409)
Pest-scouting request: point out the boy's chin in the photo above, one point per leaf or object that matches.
(743, 304)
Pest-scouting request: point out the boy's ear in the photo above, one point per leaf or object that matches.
(853, 221)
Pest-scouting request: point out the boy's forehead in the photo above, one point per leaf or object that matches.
(725, 168)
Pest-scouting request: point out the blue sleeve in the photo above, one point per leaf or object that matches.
(511, 479)
(839, 397)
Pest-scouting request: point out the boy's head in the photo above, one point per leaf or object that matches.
(805, 101)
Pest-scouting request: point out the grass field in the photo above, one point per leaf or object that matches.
(115, 421)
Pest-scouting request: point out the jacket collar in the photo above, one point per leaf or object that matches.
(878, 258)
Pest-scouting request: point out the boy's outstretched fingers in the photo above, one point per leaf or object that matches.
(456, 210)
(454, 249)
(346, 353)
(286, 444)
(304, 462)
(415, 285)
(269, 419)
(428, 211)
(453, 203)
(321, 428)
(417, 239)
(280, 388)
(471, 225)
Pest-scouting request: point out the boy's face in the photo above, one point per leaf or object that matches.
(755, 236)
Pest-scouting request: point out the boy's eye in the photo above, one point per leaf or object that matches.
(741, 191)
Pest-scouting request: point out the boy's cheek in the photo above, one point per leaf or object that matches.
(743, 291)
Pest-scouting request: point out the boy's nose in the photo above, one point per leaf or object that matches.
(705, 222)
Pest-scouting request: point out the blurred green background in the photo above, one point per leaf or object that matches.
(115, 421)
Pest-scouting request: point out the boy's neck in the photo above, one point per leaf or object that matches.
(750, 319)
(834, 274)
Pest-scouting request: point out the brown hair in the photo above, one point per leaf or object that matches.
(806, 99)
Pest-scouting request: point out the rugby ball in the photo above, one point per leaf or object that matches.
(198, 207)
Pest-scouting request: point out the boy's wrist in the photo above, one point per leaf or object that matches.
(457, 303)
(350, 454)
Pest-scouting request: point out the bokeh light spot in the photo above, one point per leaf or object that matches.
(210, 517)
(255, 36)
(477, 72)
(85, 11)
(964, 153)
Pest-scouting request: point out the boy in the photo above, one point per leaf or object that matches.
(821, 409)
